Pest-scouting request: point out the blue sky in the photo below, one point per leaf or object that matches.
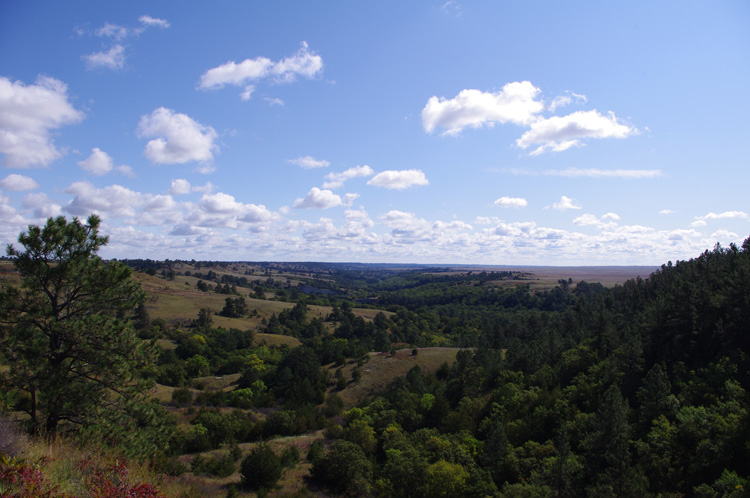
(486, 132)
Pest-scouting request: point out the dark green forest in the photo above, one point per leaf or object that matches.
(635, 390)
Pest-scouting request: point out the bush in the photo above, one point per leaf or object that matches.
(290, 457)
(315, 452)
(261, 468)
(344, 469)
(182, 397)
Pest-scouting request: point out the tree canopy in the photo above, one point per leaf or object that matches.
(66, 332)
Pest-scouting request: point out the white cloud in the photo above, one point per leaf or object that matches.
(18, 183)
(208, 188)
(309, 162)
(149, 21)
(627, 174)
(510, 202)
(98, 163)
(115, 31)
(515, 103)
(606, 222)
(323, 199)
(27, 114)
(487, 220)
(667, 211)
(452, 8)
(272, 101)
(304, 63)
(114, 58)
(405, 224)
(357, 223)
(399, 179)
(559, 133)
(681, 235)
(125, 170)
(701, 220)
(256, 214)
(220, 203)
(112, 201)
(41, 205)
(249, 89)
(348, 199)
(565, 203)
(336, 180)
(159, 203)
(179, 138)
(179, 187)
(10, 216)
(222, 210)
(567, 99)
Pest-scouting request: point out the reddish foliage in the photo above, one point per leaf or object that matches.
(21, 480)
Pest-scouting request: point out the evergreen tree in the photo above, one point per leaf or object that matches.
(67, 345)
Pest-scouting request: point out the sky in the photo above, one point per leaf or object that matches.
(443, 132)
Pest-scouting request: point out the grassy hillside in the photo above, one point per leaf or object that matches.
(382, 368)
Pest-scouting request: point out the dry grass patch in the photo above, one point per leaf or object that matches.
(382, 368)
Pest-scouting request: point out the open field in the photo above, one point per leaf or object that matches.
(546, 277)
(382, 368)
(608, 276)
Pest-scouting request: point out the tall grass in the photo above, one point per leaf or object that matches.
(59, 468)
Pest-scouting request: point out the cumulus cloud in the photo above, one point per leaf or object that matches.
(323, 199)
(487, 220)
(336, 180)
(220, 203)
(114, 200)
(510, 202)
(179, 187)
(564, 204)
(98, 163)
(304, 63)
(405, 224)
(519, 103)
(222, 210)
(625, 174)
(516, 103)
(399, 180)
(559, 133)
(177, 138)
(309, 162)
(255, 213)
(9, 216)
(208, 188)
(125, 170)
(18, 183)
(667, 211)
(701, 220)
(114, 58)
(41, 205)
(608, 221)
(27, 115)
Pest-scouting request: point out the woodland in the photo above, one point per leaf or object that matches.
(336, 379)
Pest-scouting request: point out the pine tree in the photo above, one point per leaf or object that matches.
(62, 333)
